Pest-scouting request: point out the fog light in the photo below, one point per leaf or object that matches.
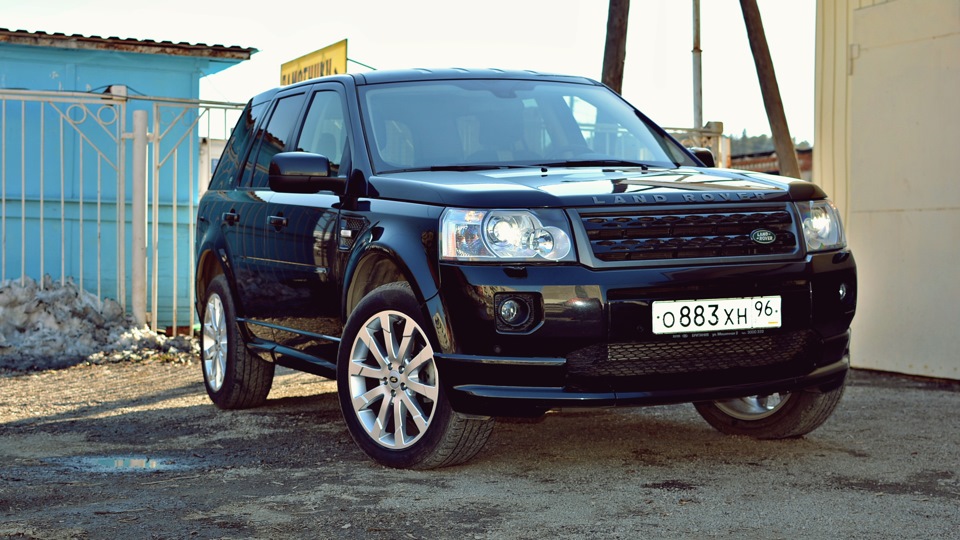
(843, 292)
(516, 312)
(513, 312)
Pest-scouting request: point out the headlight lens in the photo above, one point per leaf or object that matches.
(519, 235)
(822, 229)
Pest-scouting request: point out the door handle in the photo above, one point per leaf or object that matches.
(230, 218)
(278, 222)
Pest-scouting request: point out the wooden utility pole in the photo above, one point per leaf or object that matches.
(615, 51)
(782, 142)
(697, 69)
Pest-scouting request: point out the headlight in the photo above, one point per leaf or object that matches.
(822, 229)
(517, 235)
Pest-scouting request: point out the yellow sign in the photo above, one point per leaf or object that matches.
(329, 60)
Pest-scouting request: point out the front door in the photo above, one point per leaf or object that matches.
(302, 239)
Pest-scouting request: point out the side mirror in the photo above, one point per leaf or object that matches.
(303, 172)
(704, 155)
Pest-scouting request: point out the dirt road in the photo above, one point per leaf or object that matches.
(135, 450)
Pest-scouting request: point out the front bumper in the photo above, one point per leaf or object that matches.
(593, 344)
(512, 400)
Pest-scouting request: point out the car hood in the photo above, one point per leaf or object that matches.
(588, 187)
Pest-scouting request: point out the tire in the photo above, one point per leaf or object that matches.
(233, 376)
(389, 387)
(777, 416)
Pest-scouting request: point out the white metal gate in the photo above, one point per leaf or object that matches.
(32, 129)
(76, 187)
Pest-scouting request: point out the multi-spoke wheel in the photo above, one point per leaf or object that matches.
(234, 378)
(774, 416)
(389, 387)
(214, 340)
(393, 380)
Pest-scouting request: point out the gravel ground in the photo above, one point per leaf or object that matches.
(134, 449)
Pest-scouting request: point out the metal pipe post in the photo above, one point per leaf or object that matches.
(139, 248)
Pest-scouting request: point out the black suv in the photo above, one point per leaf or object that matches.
(456, 245)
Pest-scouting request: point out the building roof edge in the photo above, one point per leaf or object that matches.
(131, 45)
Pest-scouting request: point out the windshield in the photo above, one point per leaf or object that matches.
(468, 124)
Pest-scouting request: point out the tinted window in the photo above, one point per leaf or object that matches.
(272, 140)
(324, 129)
(230, 162)
(502, 122)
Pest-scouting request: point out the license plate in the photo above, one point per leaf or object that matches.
(680, 316)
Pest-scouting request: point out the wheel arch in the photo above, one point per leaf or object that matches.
(209, 266)
(381, 262)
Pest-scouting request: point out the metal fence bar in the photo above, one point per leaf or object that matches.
(3, 190)
(122, 213)
(63, 211)
(175, 221)
(23, 191)
(190, 241)
(42, 201)
(100, 226)
(155, 225)
(80, 177)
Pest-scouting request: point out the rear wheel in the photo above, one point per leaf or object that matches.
(775, 416)
(389, 388)
(234, 377)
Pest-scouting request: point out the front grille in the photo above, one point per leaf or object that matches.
(691, 356)
(646, 235)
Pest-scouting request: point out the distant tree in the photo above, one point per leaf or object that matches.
(756, 144)
(747, 144)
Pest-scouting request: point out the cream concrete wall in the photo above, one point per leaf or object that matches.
(888, 102)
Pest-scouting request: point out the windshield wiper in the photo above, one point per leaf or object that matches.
(464, 168)
(620, 163)
(477, 167)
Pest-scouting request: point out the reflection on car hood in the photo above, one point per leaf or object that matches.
(589, 187)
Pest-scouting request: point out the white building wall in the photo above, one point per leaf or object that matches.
(888, 101)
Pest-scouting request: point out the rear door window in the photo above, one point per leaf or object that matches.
(231, 161)
(271, 140)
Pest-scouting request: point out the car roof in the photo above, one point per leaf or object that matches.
(422, 74)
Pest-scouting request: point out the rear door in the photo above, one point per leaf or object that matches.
(225, 202)
(261, 292)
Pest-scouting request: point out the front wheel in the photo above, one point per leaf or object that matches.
(388, 383)
(775, 416)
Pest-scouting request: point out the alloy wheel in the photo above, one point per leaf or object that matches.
(393, 380)
(214, 342)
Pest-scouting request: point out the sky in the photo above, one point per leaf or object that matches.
(558, 36)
